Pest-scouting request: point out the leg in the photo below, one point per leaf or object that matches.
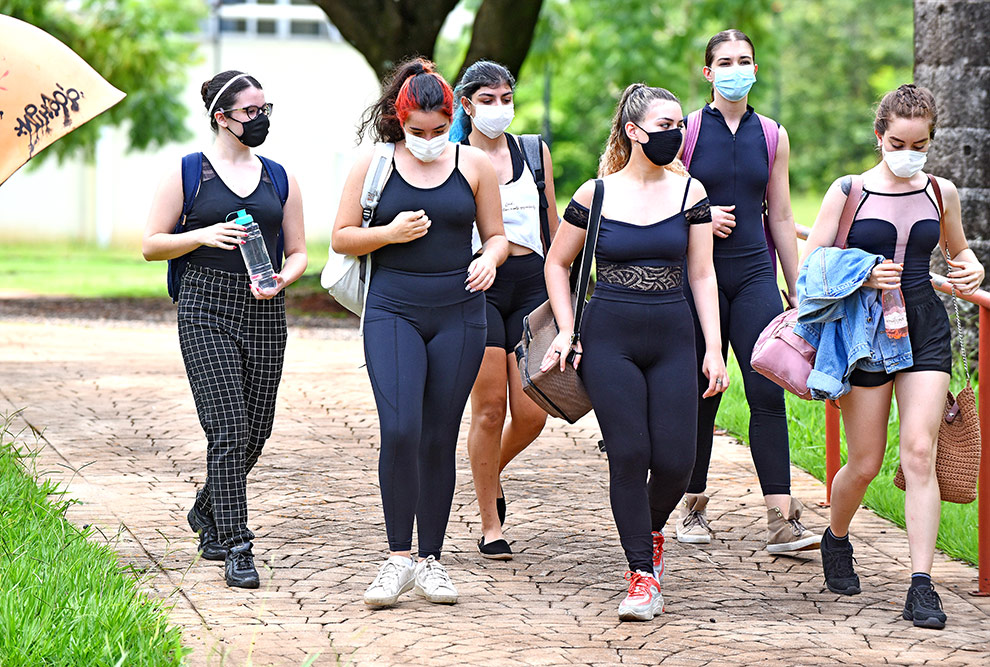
(865, 411)
(396, 361)
(487, 419)
(264, 349)
(454, 356)
(920, 404)
(526, 421)
(214, 366)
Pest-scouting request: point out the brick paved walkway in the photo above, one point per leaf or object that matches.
(115, 408)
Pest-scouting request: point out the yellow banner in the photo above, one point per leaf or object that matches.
(46, 91)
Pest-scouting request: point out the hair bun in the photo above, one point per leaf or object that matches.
(204, 91)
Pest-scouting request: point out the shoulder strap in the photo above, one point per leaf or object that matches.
(531, 146)
(587, 256)
(849, 210)
(192, 172)
(379, 170)
(771, 132)
(686, 189)
(692, 127)
(938, 197)
(278, 177)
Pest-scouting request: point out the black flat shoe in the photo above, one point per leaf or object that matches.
(497, 550)
(239, 567)
(500, 506)
(209, 544)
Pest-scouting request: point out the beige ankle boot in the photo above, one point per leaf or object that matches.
(692, 526)
(785, 533)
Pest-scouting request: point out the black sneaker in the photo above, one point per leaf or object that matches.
(239, 567)
(837, 561)
(924, 607)
(209, 544)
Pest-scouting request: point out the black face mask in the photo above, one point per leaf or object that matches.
(663, 145)
(254, 131)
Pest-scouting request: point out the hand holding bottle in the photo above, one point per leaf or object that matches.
(885, 276)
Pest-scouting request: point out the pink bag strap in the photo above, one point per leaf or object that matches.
(692, 127)
(849, 210)
(771, 132)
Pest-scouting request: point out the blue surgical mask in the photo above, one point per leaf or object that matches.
(733, 83)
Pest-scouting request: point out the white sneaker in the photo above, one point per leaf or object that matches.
(692, 526)
(644, 600)
(395, 577)
(433, 582)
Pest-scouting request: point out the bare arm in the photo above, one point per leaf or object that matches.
(488, 215)
(782, 216)
(704, 289)
(965, 270)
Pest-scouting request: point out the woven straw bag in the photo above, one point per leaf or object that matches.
(957, 461)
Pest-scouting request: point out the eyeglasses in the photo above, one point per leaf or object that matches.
(252, 111)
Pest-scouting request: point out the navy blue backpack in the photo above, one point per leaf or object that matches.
(192, 172)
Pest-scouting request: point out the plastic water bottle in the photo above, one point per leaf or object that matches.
(894, 313)
(255, 253)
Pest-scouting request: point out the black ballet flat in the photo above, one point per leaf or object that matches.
(497, 550)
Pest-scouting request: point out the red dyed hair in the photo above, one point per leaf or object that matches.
(424, 92)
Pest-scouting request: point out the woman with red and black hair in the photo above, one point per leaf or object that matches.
(424, 327)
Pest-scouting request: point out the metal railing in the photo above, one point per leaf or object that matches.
(832, 461)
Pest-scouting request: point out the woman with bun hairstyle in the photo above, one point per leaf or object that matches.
(731, 157)
(636, 352)
(484, 103)
(424, 327)
(898, 218)
(232, 334)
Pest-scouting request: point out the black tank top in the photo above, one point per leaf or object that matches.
(734, 169)
(450, 207)
(215, 202)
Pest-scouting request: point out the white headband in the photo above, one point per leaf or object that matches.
(220, 92)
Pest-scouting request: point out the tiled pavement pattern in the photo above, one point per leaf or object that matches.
(116, 409)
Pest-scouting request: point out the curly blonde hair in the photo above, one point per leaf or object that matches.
(633, 106)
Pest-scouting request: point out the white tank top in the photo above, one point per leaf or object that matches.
(520, 214)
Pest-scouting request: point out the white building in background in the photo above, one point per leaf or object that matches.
(319, 86)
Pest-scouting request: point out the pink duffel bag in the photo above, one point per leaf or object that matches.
(783, 356)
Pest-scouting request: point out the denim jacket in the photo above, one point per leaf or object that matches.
(844, 321)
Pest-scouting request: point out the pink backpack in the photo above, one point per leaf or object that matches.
(772, 133)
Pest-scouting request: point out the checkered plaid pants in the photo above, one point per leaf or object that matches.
(233, 346)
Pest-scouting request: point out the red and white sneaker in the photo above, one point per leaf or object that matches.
(643, 601)
(658, 565)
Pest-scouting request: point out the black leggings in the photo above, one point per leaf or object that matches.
(233, 346)
(424, 337)
(638, 367)
(748, 298)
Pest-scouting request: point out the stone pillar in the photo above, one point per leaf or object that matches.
(952, 58)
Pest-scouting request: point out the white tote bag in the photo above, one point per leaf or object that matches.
(347, 277)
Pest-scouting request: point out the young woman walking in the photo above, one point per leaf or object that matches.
(731, 159)
(231, 334)
(424, 329)
(637, 338)
(898, 217)
(484, 99)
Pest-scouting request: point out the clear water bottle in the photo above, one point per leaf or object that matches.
(894, 313)
(255, 253)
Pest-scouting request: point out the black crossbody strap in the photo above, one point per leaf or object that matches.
(587, 257)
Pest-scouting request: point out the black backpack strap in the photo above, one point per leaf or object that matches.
(587, 257)
(280, 181)
(192, 174)
(531, 146)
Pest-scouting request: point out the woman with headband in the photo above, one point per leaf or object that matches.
(232, 335)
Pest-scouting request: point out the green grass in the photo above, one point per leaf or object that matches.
(64, 598)
(957, 535)
(86, 271)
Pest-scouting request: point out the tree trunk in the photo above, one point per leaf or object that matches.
(952, 58)
(388, 31)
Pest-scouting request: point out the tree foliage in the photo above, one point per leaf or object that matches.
(823, 66)
(142, 47)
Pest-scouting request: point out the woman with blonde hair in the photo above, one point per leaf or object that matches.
(637, 336)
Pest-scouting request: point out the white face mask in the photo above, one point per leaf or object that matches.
(426, 150)
(905, 163)
(493, 119)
